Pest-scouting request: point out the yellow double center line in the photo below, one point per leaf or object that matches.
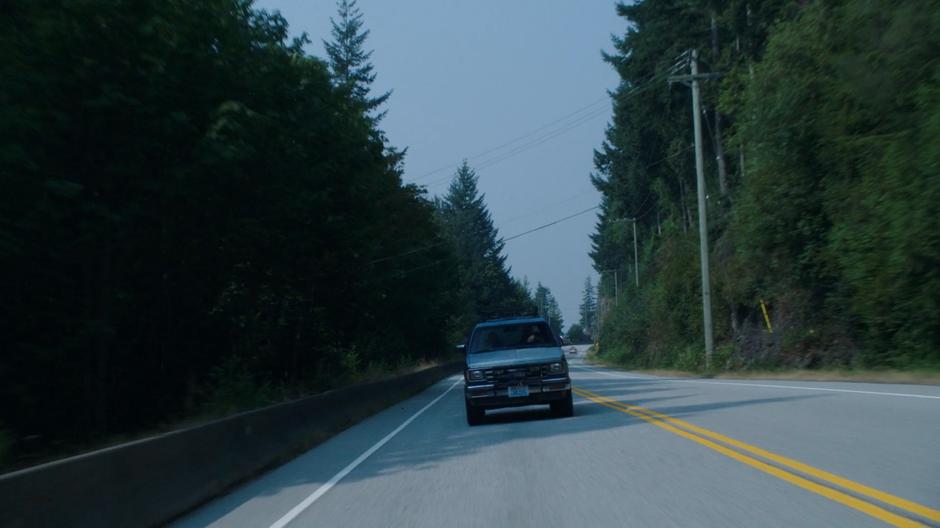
(780, 466)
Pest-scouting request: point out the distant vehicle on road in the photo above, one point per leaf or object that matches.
(513, 362)
(572, 351)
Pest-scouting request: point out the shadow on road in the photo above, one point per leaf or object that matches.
(442, 433)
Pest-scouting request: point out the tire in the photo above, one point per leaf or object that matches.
(474, 415)
(564, 407)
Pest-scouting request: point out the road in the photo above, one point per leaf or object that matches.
(640, 451)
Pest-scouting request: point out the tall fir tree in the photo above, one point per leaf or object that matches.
(548, 308)
(348, 60)
(588, 307)
(485, 281)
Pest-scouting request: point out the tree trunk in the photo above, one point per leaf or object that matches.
(686, 214)
(719, 151)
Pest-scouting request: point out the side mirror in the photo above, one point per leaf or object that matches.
(462, 349)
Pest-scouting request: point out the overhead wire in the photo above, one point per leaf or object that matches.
(543, 226)
(524, 233)
(551, 134)
(514, 140)
(528, 145)
(531, 144)
(402, 273)
(570, 126)
(546, 206)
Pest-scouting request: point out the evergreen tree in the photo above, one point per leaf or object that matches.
(577, 335)
(349, 62)
(588, 307)
(555, 319)
(193, 214)
(522, 296)
(548, 308)
(826, 111)
(484, 277)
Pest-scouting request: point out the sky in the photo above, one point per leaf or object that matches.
(470, 77)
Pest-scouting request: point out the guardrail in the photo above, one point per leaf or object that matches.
(151, 481)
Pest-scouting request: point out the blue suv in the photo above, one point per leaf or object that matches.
(513, 362)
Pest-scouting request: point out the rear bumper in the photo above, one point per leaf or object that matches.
(492, 396)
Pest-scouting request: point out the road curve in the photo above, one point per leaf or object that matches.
(640, 451)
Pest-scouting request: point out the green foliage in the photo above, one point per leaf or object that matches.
(587, 310)
(548, 308)
(233, 387)
(351, 363)
(5, 444)
(652, 323)
(486, 287)
(690, 358)
(859, 115)
(577, 335)
(190, 201)
(834, 108)
(349, 62)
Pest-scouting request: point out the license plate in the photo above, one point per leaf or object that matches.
(518, 391)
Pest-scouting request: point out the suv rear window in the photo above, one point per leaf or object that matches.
(508, 336)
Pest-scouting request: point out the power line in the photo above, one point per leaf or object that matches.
(536, 142)
(443, 242)
(546, 206)
(406, 253)
(570, 126)
(645, 212)
(653, 164)
(528, 145)
(402, 273)
(543, 226)
(514, 140)
(551, 134)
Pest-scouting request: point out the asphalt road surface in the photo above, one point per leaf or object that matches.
(639, 451)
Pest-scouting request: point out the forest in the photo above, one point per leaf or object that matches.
(822, 168)
(201, 217)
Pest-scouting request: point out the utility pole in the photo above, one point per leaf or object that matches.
(636, 261)
(694, 78)
(636, 258)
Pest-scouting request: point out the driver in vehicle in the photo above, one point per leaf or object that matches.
(535, 336)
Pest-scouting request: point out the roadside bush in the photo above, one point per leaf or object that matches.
(690, 358)
(233, 387)
(5, 444)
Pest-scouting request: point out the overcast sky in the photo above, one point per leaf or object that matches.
(471, 76)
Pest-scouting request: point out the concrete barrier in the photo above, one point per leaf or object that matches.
(149, 482)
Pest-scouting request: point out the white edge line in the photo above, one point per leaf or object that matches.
(896, 394)
(297, 510)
